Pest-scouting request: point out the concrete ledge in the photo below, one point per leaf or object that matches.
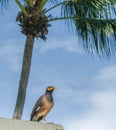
(9, 124)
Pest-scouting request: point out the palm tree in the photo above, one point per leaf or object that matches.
(93, 20)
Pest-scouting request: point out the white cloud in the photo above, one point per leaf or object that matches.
(105, 78)
(101, 116)
(69, 44)
(10, 53)
(104, 99)
(107, 73)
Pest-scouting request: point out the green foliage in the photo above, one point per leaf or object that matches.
(4, 2)
(93, 20)
(29, 2)
(21, 7)
(42, 4)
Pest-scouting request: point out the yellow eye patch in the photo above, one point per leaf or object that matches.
(50, 88)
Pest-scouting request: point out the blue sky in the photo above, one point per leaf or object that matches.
(85, 98)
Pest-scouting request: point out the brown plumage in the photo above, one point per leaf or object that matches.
(43, 105)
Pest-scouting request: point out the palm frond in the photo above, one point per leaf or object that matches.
(21, 7)
(93, 20)
(97, 34)
(55, 1)
(3, 2)
(88, 8)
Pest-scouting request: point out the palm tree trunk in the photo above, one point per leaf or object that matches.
(24, 77)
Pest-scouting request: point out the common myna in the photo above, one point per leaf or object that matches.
(43, 105)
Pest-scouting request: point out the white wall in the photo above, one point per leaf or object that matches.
(8, 124)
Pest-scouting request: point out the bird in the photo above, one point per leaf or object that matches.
(43, 105)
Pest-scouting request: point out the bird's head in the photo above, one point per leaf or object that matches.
(50, 89)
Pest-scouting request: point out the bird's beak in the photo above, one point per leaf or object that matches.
(55, 88)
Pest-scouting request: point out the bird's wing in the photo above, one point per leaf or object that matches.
(37, 106)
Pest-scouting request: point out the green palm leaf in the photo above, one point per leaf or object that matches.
(4, 2)
(93, 21)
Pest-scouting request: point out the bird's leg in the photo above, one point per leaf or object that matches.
(45, 120)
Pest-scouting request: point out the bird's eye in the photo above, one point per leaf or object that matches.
(49, 89)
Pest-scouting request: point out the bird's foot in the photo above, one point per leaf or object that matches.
(47, 121)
